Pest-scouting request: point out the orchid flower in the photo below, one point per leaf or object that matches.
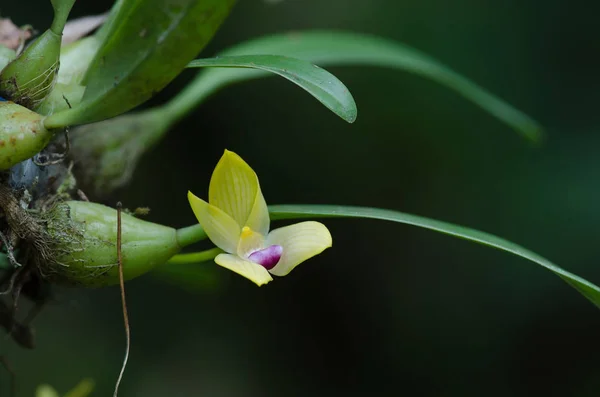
(236, 219)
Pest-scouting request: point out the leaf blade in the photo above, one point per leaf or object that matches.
(584, 287)
(328, 48)
(130, 66)
(321, 84)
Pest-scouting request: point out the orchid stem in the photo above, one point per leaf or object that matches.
(195, 257)
(190, 235)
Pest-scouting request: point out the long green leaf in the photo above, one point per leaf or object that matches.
(146, 45)
(587, 289)
(341, 48)
(321, 84)
(119, 10)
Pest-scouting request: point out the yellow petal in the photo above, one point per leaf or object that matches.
(220, 228)
(45, 391)
(234, 188)
(252, 271)
(300, 242)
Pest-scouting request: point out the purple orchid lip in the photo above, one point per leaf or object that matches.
(267, 257)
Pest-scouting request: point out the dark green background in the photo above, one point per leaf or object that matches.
(390, 310)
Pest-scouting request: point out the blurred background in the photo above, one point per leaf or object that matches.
(391, 309)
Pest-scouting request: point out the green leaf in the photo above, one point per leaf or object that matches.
(146, 45)
(318, 82)
(118, 11)
(587, 289)
(340, 48)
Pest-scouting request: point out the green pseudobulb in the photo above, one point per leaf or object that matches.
(29, 78)
(22, 134)
(84, 243)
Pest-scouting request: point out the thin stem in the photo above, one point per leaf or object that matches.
(122, 286)
(195, 257)
(62, 8)
(190, 235)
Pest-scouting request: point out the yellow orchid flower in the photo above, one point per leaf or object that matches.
(236, 219)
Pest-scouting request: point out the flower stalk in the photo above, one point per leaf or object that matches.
(195, 257)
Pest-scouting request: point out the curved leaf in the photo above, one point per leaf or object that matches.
(342, 48)
(321, 84)
(146, 44)
(587, 289)
(119, 10)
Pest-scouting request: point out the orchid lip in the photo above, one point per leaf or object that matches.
(267, 257)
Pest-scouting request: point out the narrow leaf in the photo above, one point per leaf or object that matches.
(327, 48)
(146, 43)
(587, 289)
(321, 84)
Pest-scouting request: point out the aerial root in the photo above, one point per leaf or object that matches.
(9, 251)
